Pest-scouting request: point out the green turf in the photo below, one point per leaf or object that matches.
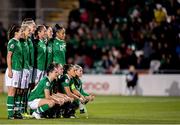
(115, 110)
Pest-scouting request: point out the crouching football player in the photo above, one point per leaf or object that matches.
(40, 99)
(78, 85)
(57, 110)
(63, 86)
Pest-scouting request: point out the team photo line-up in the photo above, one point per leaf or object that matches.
(40, 84)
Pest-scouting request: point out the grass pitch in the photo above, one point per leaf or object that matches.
(115, 110)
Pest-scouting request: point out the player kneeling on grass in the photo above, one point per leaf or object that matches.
(40, 99)
(63, 86)
(57, 110)
(78, 85)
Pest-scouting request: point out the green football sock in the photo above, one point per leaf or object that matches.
(42, 108)
(22, 105)
(10, 106)
(18, 104)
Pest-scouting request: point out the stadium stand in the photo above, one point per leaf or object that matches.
(107, 37)
(110, 36)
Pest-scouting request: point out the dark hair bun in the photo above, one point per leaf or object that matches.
(67, 67)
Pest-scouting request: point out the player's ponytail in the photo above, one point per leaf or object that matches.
(39, 28)
(56, 29)
(13, 29)
(50, 68)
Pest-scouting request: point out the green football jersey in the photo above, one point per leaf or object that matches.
(25, 53)
(59, 51)
(72, 84)
(52, 87)
(78, 85)
(49, 53)
(40, 55)
(17, 59)
(38, 91)
(62, 83)
(31, 52)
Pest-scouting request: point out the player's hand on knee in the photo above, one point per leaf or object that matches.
(81, 100)
(92, 97)
(83, 97)
(88, 98)
(61, 101)
(71, 99)
(51, 103)
(66, 99)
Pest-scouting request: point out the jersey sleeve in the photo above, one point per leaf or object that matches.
(65, 83)
(84, 93)
(81, 89)
(11, 46)
(47, 86)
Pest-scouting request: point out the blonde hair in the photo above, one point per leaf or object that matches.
(77, 67)
(28, 21)
(24, 26)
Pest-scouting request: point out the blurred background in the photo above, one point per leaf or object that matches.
(105, 37)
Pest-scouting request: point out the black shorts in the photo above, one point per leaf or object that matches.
(131, 84)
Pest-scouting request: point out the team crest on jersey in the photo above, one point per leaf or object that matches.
(12, 46)
(62, 47)
(49, 49)
(47, 84)
(26, 44)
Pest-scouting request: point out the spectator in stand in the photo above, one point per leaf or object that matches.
(160, 14)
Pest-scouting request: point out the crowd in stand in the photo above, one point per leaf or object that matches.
(111, 35)
(107, 36)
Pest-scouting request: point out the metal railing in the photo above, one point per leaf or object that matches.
(16, 15)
